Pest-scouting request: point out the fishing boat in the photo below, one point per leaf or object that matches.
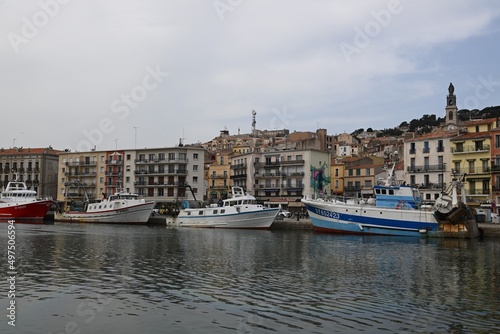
(397, 209)
(239, 211)
(19, 202)
(119, 208)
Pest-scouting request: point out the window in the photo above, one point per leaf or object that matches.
(358, 172)
(426, 180)
(171, 156)
(471, 166)
(367, 171)
(426, 147)
(195, 156)
(412, 148)
(479, 145)
(497, 141)
(486, 169)
(336, 172)
(440, 147)
(195, 167)
(195, 179)
(128, 157)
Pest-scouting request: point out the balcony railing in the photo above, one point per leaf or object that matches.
(470, 149)
(426, 168)
(478, 192)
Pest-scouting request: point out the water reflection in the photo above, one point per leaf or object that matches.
(139, 278)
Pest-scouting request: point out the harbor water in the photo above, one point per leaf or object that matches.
(86, 278)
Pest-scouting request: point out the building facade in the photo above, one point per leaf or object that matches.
(37, 167)
(160, 174)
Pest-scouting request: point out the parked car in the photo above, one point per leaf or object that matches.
(285, 214)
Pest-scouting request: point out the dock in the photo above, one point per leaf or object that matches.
(490, 230)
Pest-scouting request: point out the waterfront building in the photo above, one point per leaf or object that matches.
(337, 179)
(160, 174)
(426, 159)
(470, 154)
(37, 167)
(218, 175)
(495, 168)
(360, 175)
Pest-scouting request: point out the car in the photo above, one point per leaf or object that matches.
(285, 214)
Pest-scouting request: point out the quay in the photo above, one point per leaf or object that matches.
(490, 230)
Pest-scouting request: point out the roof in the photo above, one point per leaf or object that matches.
(29, 150)
(471, 135)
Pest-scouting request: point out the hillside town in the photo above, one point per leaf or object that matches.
(278, 167)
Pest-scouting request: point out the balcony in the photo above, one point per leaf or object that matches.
(478, 170)
(238, 176)
(238, 166)
(431, 186)
(426, 150)
(473, 192)
(470, 149)
(292, 162)
(426, 168)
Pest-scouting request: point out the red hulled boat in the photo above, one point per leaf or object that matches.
(19, 202)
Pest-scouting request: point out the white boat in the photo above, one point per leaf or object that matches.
(119, 208)
(19, 202)
(238, 211)
(396, 209)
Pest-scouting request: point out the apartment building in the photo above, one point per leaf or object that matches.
(37, 167)
(160, 174)
(427, 163)
(471, 154)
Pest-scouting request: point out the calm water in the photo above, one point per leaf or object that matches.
(76, 278)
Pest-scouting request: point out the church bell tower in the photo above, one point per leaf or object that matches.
(451, 106)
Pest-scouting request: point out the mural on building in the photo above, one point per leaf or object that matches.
(319, 180)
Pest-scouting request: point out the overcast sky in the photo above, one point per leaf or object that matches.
(125, 74)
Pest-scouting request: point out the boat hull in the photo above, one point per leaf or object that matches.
(369, 220)
(25, 211)
(259, 219)
(137, 214)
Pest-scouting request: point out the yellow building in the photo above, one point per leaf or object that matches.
(471, 154)
(218, 176)
(337, 177)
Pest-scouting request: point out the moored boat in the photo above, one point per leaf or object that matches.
(119, 208)
(396, 209)
(238, 211)
(19, 202)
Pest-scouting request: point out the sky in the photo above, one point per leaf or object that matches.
(123, 74)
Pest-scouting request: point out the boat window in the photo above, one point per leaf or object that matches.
(200, 213)
(189, 213)
(384, 192)
(391, 192)
(215, 212)
(223, 211)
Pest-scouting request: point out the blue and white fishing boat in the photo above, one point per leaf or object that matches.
(238, 211)
(396, 209)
